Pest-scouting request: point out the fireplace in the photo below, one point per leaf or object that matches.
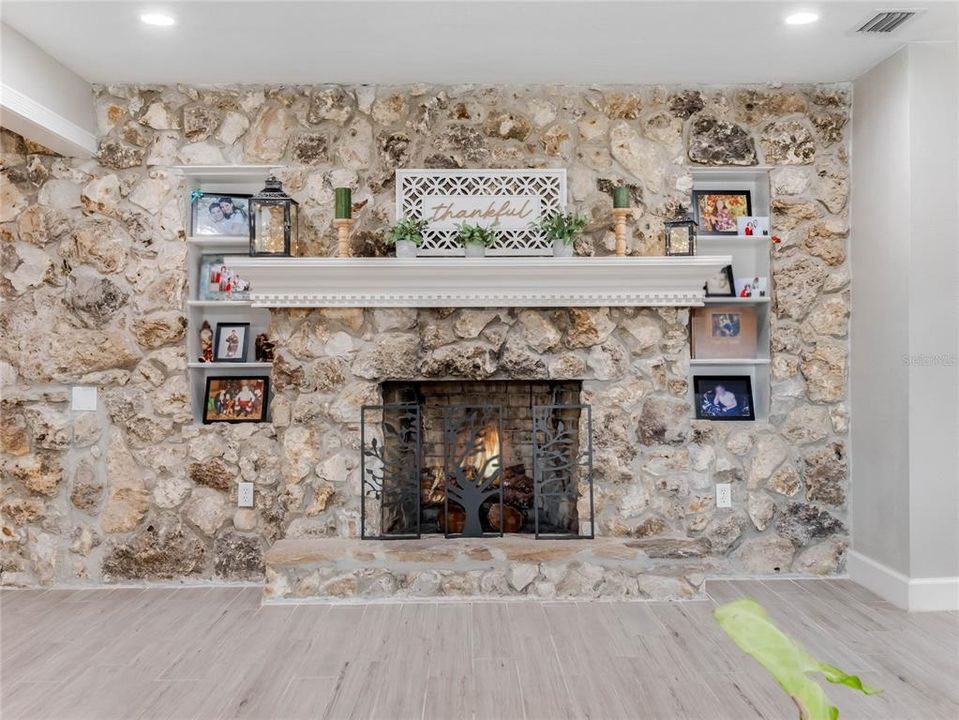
(477, 458)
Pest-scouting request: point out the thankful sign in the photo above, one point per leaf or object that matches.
(511, 212)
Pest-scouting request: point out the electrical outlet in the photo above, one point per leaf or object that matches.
(724, 495)
(244, 494)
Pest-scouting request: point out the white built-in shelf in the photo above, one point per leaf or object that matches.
(729, 361)
(219, 303)
(741, 239)
(736, 300)
(223, 173)
(216, 242)
(745, 173)
(228, 365)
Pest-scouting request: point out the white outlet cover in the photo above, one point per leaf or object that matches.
(83, 398)
(244, 495)
(724, 495)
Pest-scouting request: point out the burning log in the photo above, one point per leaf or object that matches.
(514, 518)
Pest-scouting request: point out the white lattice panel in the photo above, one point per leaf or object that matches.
(548, 185)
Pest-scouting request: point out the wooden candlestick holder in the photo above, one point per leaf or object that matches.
(620, 216)
(344, 226)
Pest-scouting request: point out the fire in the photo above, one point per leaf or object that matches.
(488, 449)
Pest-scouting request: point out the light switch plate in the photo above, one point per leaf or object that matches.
(83, 398)
(724, 495)
(244, 495)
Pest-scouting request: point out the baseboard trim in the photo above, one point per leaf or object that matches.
(913, 594)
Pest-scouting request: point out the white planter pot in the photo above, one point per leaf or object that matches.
(405, 249)
(562, 249)
(473, 250)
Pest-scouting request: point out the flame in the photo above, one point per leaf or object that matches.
(489, 447)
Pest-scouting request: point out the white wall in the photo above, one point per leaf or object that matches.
(43, 100)
(904, 378)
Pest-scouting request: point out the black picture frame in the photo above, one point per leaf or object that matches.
(234, 385)
(703, 222)
(244, 348)
(739, 385)
(203, 225)
(727, 274)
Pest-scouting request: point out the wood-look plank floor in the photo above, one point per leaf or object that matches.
(210, 653)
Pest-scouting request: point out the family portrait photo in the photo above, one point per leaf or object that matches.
(723, 398)
(218, 281)
(236, 399)
(231, 342)
(226, 215)
(718, 212)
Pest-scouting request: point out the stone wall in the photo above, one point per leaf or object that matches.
(93, 268)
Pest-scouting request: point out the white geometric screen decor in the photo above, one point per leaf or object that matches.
(512, 199)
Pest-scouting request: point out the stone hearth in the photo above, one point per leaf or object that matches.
(343, 569)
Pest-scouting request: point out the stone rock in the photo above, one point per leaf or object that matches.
(32, 226)
(623, 106)
(789, 180)
(99, 243)
(798, 280)
(199, 121)
(755, 106)
(204, 153)
(640, 157)
(310, 148)
(266, 140)
(40, 473)
(567, 366)
(13, 435)
(788, 142)
(588, 327)
(765, 555)
(213, 474)
(23, 511)
(390, 109)
(159, 329)
(354, 148)
(539, 332)
(785, 481)
(169, 492)
(556, 140)
(664, 421)
(719, 142)
(118, 155)
(760, 508)
(238, 557)
(49, 428)
(673, 548)
(685, 104)
(647, 332)
(829, 317)
(508, 126)
(806, 424)
(519, 362)
(839, 416)
(723, 532)
(245, 519)
(593, 127)
(322, 496)
(207, 510)
(832, 190)
(394, 319)
(824, 369)
(332, 103)
(470, 323)
(33, 269)
(84, 540)
(43, 554)
(472, 360)
(826, 558)
(800, 522)
(770, 453)
(163, 149)
(739, 443)
(101, 195)
(829, 126)
(542, 112)
(232, 127)
(826, 240)
(608, 361)
(158, 116)
(824, 471)
(127, 497)
(156, 553)
(86, 489)
(393, 355)
(521, 575)
(465, 144)
(346, 407)
(664, 128)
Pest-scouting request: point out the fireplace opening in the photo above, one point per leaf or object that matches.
(477, 458)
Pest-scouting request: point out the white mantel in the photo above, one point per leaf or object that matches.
(478, 282)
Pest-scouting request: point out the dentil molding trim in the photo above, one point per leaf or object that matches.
(478, 282)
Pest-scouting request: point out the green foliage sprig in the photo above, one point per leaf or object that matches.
(564, 227)
(406, 229)
(475, 235)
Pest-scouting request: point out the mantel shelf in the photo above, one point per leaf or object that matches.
(479, 282)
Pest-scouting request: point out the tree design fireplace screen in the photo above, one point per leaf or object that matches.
(475, 459)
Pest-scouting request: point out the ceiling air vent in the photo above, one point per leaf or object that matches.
(886, 22)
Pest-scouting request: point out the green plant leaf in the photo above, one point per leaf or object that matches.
(746, 622)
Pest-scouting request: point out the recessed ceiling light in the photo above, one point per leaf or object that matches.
(158, 19)
(802, 18)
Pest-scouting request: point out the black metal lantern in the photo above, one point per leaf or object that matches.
(274, 219)
(681, 237)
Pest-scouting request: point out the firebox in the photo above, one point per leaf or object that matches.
(477, 458)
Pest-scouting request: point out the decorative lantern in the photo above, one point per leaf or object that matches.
(274, 217)
(681, 236)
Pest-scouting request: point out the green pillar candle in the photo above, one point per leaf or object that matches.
(344, 204)
(621, 197)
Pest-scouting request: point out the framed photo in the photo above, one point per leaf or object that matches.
(215, 214)
(724, 331)
(231, 343)
(723, 397)
(751, 287)
(718, 211)
(721, 284)
(750, 225)
(236, 399)
(218, 281)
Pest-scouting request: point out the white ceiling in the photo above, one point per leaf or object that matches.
(463, 41)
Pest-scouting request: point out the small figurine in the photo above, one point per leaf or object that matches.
(206, 342)
(263, 348)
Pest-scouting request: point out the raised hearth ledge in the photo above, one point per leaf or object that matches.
(479, 282)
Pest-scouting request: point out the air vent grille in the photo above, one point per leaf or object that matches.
(885, 22)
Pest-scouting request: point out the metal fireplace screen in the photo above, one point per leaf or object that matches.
(482, 492)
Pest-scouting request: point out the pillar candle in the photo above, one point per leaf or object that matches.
(344, 203)
(621, 197)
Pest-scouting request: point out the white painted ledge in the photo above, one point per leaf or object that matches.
(913, 594)
(478, 282)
